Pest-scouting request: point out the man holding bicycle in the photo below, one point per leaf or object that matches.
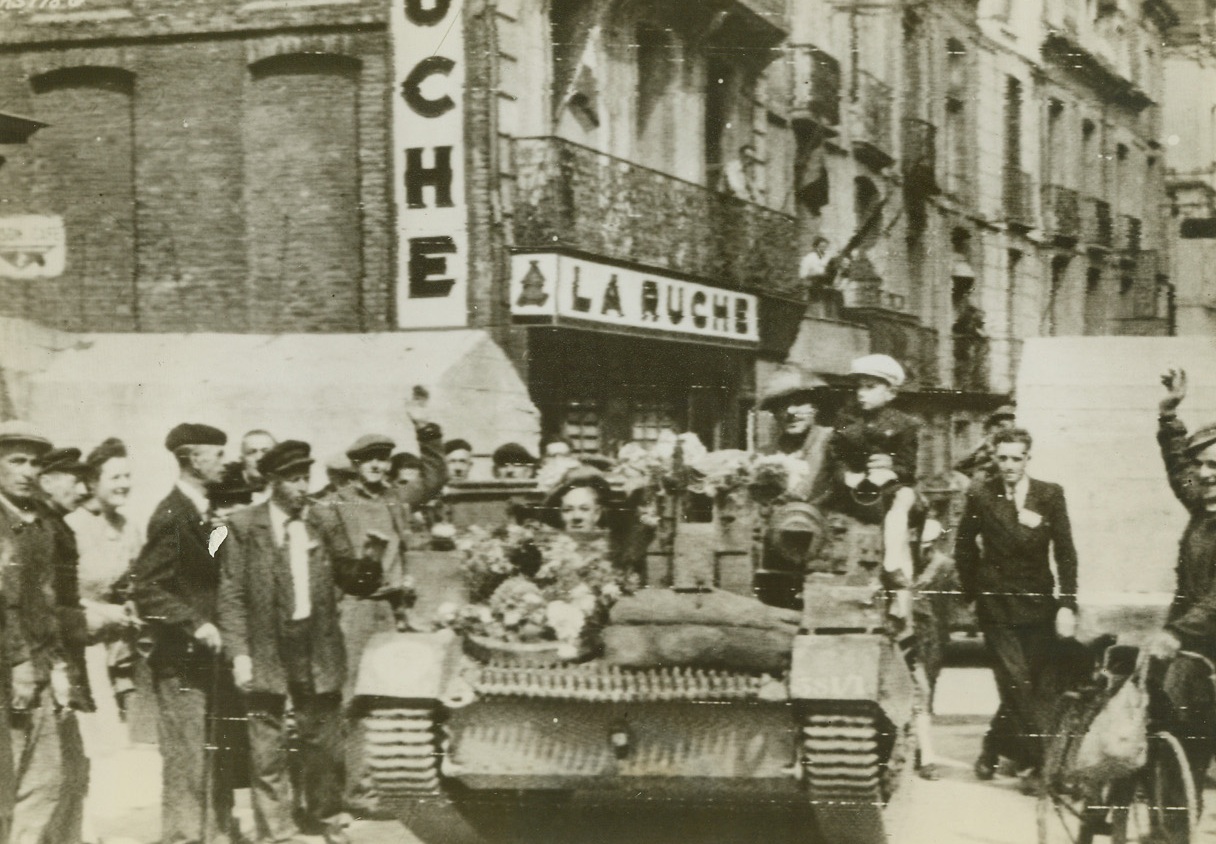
(1190, 462)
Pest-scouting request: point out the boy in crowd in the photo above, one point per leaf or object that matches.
(873, 454)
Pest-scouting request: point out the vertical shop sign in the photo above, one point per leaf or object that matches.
(428, 163)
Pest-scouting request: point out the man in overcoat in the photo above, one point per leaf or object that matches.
(1021, 608)
(278, 617)
(175, 584)
(45, 626)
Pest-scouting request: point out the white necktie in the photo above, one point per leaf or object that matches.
(297, 556)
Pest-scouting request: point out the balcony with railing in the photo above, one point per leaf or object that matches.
(872, 138)
(1018, 198)
(1097, 226)
(573, 197)
(1144, 308)
(1061, 213)
(816, 87)
(1128, 233)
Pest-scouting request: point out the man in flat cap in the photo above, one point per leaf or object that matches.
(278, 616)
(1190, 462)
(458, 454)
(175, 584)
(45, 635)
(372, 508)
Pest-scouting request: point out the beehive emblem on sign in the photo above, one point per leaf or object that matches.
(532, 292)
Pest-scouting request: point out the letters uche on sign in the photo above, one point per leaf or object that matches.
(563, 287)
(428, 50)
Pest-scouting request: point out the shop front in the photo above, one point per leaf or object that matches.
(617, 353)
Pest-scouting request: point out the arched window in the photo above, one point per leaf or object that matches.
(88, 178)
(302, 193)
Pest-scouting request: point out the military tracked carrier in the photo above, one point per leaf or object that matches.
(471, 747)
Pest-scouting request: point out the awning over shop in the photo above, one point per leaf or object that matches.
(324, 388)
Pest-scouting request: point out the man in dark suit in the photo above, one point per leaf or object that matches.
(1021, 522)
(175, 583)
(278, 616)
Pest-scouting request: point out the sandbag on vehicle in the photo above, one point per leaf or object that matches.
(715, 629)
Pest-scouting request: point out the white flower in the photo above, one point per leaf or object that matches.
(567, 650)
(443, 530)
(611, 590)
(512, 618)
(693, 448)
(445, 613)
(583, 598)
(565, 619)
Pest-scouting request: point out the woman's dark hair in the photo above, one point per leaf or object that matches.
(109, 449)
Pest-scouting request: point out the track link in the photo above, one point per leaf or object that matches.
(403, 753)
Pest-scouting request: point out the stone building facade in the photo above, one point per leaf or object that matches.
(1190, 150)
(621, 193)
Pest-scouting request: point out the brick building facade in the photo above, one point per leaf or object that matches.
(992, 169)
(218, 167)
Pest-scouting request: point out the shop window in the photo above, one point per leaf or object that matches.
(582, 427)
(649, 421)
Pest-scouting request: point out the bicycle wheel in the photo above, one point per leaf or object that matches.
(1066, 812)
(1161, 807)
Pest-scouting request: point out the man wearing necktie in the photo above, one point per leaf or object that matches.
(175, 583)
(1012, 526)
(278, 617)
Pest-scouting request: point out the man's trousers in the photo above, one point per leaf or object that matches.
(318, 720)
(52, 775)
(198, 731)
(1018, 653)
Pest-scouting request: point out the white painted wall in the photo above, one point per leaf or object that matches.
(1091, 404)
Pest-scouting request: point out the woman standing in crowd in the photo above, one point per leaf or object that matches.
(108, 542)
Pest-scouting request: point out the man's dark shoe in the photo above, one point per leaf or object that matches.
(1030, 782)
(985, 766)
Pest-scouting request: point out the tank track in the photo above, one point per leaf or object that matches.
(402, 746)
(842, 757)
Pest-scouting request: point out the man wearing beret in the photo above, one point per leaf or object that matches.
(45, 629)
(278, 616)
(175, 587)
(372, 508)
(458, 454)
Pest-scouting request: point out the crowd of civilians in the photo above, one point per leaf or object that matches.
(247, 600)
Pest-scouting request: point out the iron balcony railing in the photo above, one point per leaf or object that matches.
(1061, 212)
(1018, 197)
(570, 196)
(1097, 226)
(1128, 233)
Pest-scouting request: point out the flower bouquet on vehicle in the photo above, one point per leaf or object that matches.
(536, 594)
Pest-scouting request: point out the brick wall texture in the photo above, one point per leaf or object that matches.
(225, 171)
